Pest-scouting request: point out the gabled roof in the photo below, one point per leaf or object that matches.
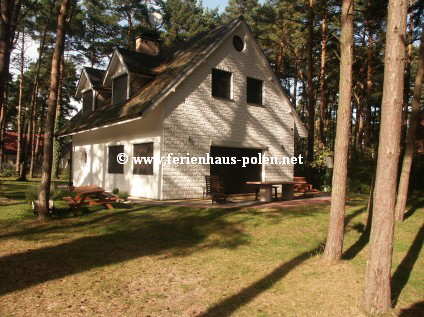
(179, 62)
(94, 76)
(139, 63)
(169, 73)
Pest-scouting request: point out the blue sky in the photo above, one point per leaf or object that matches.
(212, 4)
(221, 4)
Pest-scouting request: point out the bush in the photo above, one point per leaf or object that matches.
(361, 168)
(123, 195)
(115, 191)
(8, 170)
(356, 186)
(33, 191)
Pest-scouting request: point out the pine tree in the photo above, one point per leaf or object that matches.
(334, 244)
(377, 294)
(43, 197)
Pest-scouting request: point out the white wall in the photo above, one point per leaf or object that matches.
(192, 112)
(96, 142)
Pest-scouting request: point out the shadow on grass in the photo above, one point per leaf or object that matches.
(230, 304)
(130, 236)
(403, 271)
(414, 311)
(363, 240)
(415, 205)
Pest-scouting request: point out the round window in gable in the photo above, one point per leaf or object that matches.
(84, 158)
(238, 43)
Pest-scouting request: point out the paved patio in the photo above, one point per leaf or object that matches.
(237, 201)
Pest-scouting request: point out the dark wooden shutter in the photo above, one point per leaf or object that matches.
(143, 150)
(113, 166)
(221, 84)
(120, 86)
(87, 102)
(254, 91)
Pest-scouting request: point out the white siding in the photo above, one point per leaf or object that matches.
(191, 111)
(96, 142)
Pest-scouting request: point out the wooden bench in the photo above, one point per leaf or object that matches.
(214, 189)
(258, 191)
(70, 201)
(302, 186)
(90, 195)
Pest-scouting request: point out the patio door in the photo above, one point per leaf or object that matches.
(233, 176)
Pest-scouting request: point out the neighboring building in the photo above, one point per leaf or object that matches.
(10, 146)
(214, 94)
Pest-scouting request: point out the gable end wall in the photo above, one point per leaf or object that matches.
(194, 120)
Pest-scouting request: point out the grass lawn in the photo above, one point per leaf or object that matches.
(143, 260)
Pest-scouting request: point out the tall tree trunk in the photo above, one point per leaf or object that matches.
(34, 144)
(3, 124)
(33, 106)
(311, 101)
(51, 111)
(358, 116)
(10, 10)
(21, 89)
(295, 80)
(322, 106)
(377, 297)
(367, 112)
(37, 148)
(58, 144)
(334, 244)
(410, 139)
(407, 73)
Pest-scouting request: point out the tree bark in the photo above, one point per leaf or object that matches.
(35, 137)
(359, 122)
(407, 73)
(30, 130)
(51, 111)
(334, 244)
(377, 294)
(367, 112)
(322, 106)
(411, 134)
(57, 143)
(311, 100)
(295, 80)
(10, 10)
(21, 89)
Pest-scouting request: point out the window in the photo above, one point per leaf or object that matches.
(221, 83)
(254, 91)
(238, 43)
(143, 150)
(113, 166)
(87, 102)
(84, 158)
(120, 87)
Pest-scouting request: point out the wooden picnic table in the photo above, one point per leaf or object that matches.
(90, 195)
(265, 188)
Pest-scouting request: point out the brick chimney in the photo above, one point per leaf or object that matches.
(147, 43)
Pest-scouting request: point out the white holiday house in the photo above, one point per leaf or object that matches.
(215, 93)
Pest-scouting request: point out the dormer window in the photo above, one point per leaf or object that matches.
(120, 89)
(87, 101)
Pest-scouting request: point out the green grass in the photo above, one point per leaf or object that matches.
(140, 260)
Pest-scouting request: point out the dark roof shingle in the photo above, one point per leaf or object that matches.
(95, 76)
(177, 63)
